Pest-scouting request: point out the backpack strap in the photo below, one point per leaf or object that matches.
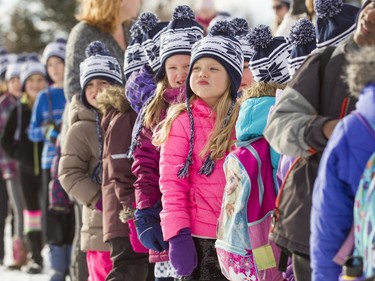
(49, 103)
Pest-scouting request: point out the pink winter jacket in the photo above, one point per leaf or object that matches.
(194, 201)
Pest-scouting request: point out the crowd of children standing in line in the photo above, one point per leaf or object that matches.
(197, 159)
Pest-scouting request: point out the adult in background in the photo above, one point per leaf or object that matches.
(280, 9)
(107, 21)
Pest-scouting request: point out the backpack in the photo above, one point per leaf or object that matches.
(364, 219)
(243, 248)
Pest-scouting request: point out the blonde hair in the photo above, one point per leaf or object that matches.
(261, 89)
(220, 140)
(103, 14)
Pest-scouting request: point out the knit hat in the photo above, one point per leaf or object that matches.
(5, 60)
(152, 29)
(31, 66)
(302, 37)
(99, 64)
(221, 45)
(55, 49)
(336, 21)
(14, 69)
(135, 56)
(270, 60)
(179, 37)
(241, 29)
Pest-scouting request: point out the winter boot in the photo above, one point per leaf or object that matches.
(19, 254)
(35, 264)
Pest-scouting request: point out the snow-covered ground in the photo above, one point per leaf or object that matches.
(6, 275)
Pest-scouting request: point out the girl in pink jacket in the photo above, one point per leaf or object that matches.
(178, 38)
(195, 138)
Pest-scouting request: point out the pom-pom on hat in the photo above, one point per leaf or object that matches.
(135, 56)
(31, 66)
(221, 45)
(241, 29)
(55, 49)
(270, 60)
(179, 37)
(336, 21)
(152, 28)
(99, 64)
(303, 38)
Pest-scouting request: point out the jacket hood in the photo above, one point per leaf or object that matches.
(366, 103)
(252, 118)
(113, 97)
(78, 112)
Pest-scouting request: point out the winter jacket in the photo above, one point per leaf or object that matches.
(79, 157)
(146, 169)
(117, 185)
(194, 201)
(295, 129)
(48, 107)
(7, 165)
(343, 161)
(80, 37)
(251, 122)
(16, 143)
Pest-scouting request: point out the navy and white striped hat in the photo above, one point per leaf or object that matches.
(152, 28)
(135, 56)
(336, 21)
(303, 38)
(55, 49)
(99, 64)
(221, 45)
(31, 66)
(14, 69)
(5, 60)
(241, 28)
(179, 37)
(270, 60)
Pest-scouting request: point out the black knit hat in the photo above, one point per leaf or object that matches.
(336, 21)
(179, 37)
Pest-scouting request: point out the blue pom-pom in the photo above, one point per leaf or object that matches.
(223, 28)
(183, 12)
(327, 8)
(136, 32)
(147, 21)
(240, 26)
(97, 48)
(302, 32)
(61, 40)
(260, 36)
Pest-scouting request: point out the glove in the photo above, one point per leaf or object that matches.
(99, 204)
(182, 252)
(148, 227)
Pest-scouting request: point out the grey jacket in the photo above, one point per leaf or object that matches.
(82, 35)
(295, 129)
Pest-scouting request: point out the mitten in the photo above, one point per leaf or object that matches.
(99, 204)
(147, 222)
(182, 252)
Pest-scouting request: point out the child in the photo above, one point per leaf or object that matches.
(17, 145)
(343, 161)
(199, 134)
(177, 41)
(44, 127)
(117, 187)
(80, 168)
(8, 166)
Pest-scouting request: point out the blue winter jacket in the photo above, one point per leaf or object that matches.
(340, 169)
(41, 113)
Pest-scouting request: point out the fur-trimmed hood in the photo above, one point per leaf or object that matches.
(113, 97)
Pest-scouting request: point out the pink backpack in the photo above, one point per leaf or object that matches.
(243, 248)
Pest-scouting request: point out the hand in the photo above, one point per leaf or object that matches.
(328, 127)
(147, 222)
(182, 252)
